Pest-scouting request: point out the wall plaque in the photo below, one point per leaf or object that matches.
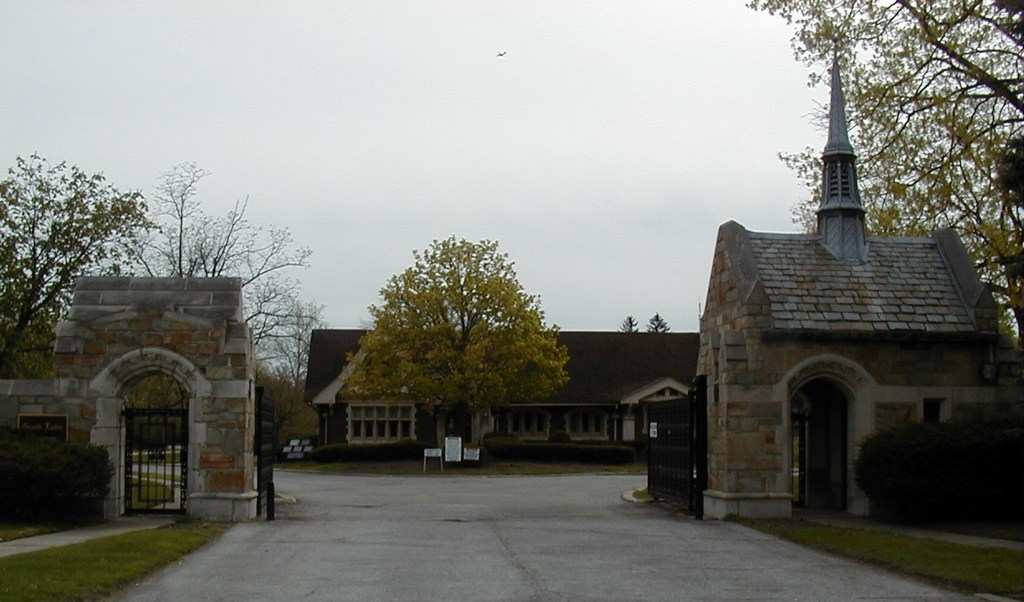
(45, 425)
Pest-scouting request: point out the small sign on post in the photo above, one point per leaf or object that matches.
(453, 449)
(432, 452)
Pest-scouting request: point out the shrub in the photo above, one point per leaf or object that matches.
(405, 449)
(560, 452)
(640, 446)
(44, 477)
(943, 470)
(496, 435)
(559, 437)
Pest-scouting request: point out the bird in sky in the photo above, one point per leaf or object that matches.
(502, 53)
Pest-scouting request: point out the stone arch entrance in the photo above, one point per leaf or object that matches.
(192, 331)
(157, 451)
(819, 433)
(822, 397)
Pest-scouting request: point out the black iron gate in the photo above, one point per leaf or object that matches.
(677, 448)
(155, 460)
(265, 449)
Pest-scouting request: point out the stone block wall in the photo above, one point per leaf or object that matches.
(191, 329)
(754, 372)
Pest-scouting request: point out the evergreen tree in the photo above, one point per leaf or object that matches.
(629, 325)
(657, 324)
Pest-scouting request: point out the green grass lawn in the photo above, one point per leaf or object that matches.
(961, 567)
(89, 570)
(17, 530)
(490, 468)
(1008, 530)
(155, 493)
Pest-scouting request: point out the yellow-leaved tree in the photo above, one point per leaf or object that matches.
(457, 332)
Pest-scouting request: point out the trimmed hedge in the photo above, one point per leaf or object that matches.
(639, 445)
(406, 449)
(559, 452)
(43, 477)
(559, 437)
(929, 471)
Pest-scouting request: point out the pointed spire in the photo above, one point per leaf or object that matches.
(840, 215)
(838, 137)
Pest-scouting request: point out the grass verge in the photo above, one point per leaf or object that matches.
(956, 566)
(1009, 530)
(491, 468)
(91, 569)
(16, 530)
(643, 495)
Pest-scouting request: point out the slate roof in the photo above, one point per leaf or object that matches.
(907, 286)
(603, 367)
(839, 283)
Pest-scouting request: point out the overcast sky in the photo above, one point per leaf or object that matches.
(602, 151)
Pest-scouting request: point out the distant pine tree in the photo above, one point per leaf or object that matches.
(629, 325)
(657, 324)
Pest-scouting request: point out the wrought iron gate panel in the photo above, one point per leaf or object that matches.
(156, 460)
(677, 448)
(266, 448)
(670, 461)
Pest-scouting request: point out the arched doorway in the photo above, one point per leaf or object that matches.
(819, 443)
(156, 427)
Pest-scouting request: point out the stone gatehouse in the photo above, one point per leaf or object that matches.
(811, 342)
(190, 330)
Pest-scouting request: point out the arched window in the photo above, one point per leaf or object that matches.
(587, 424)
(529, 424)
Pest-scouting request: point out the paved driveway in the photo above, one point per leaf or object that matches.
(504, 538)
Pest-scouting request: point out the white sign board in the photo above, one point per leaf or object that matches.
(653, 432)
(471, 454)
(453, 449)
(432, 452)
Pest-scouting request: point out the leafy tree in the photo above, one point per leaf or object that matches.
(156, 391)
(1011, 181)
(457, 332)
(934, 91)
(283, 359)
(629, 325)
(657, 324)
(188, 242)
(293, 417)
(57, 223)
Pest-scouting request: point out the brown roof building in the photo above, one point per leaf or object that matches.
(612, 375)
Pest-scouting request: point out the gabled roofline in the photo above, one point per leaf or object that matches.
(649, 389)
(745, 272)
(974, 294)
(329, 394)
